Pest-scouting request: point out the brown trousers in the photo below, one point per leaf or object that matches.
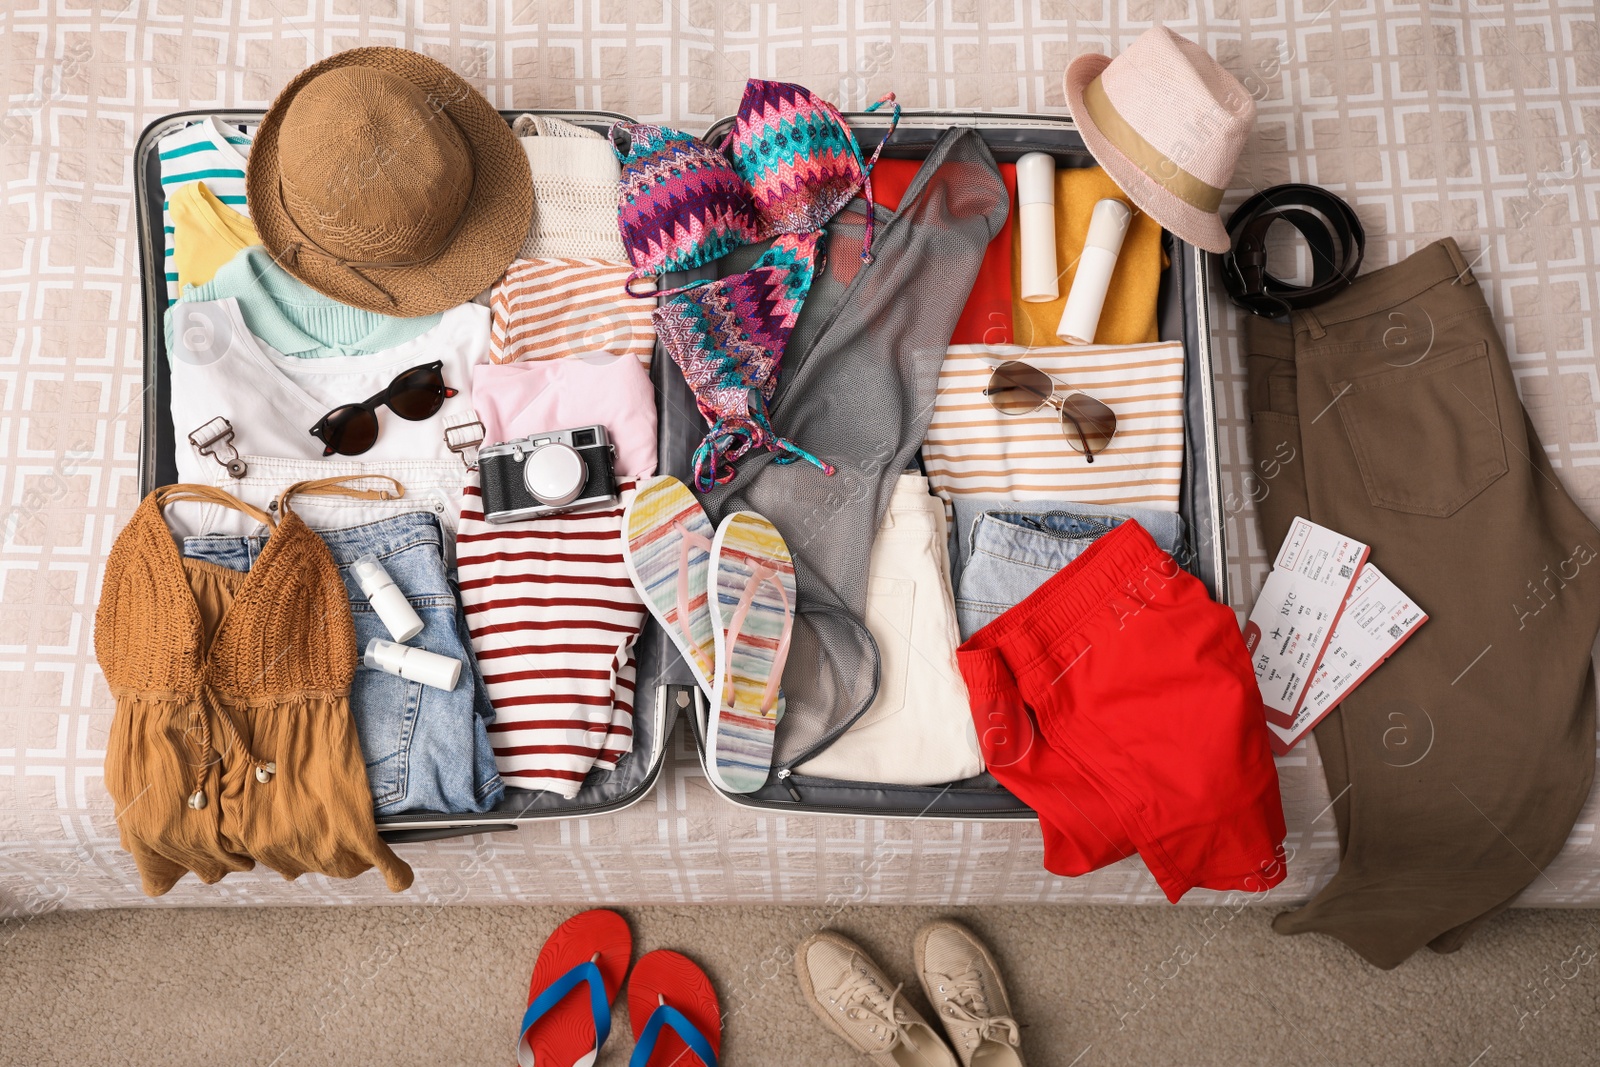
(1457, 769)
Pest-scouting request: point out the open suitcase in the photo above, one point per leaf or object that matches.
(665, 684)
(1183, 314)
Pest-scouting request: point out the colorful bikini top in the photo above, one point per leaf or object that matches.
(799, 159)
(785, 169)
(791, 165)
(680, 205)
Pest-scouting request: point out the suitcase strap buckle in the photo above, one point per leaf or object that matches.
(464, 438)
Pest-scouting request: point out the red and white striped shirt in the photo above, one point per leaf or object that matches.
(553, 618)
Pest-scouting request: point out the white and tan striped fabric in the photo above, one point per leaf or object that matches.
(972, 448)
(549, 308)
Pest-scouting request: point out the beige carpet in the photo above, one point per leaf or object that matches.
(1092, 986)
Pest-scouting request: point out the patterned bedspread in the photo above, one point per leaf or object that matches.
(1480, 121)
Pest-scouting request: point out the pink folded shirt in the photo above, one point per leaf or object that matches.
(517, 399)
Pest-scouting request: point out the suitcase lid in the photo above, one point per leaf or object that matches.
(655, 712)
(1184, 314)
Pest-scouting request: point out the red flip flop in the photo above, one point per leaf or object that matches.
(575, 979)
(673, 1011)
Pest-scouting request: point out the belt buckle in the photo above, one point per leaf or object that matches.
(1251, 296)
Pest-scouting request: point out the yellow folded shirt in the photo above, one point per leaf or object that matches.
(1129, 317)
(206, 233)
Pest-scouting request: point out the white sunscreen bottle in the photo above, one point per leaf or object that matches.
(413, 664)
(1107, 227)
(386, 598)
(1036, 210)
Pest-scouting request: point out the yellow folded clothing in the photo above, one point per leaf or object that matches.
(1129, 317)
(206, 233)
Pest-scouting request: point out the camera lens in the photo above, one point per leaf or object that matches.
(554, 474)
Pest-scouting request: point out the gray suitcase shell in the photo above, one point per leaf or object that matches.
(1183, 314)
(665, 685)
(604, 792)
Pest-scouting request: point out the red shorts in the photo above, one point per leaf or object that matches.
(1118, 702)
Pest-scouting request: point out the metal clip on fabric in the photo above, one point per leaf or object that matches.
(215, 439)
(1328, 224)
(464, 438)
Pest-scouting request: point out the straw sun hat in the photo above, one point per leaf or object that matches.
(1167, 123)
(382, 179)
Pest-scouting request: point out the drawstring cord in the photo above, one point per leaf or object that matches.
(726, 442)
(655, 277)
(866, 171)
(264, 769)
(197, 799)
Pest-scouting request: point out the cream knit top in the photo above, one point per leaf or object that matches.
(575, 176)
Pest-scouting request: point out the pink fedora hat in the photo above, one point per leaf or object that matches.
(1167, 122)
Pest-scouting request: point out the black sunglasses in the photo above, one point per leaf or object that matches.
(414, 395)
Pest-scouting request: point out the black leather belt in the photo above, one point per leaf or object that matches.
(1330, 227)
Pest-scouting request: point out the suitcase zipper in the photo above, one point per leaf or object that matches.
(784, 774)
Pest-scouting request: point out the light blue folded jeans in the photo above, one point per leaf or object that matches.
(1008, 548)
(425, 749)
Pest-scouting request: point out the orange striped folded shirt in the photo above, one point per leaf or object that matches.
(972, 448)
(549, 308)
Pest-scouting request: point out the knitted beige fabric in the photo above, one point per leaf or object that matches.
(232, 741)
(575, 175)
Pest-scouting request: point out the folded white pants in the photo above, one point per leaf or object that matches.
(919, 729)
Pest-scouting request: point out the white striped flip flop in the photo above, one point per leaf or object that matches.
(752, 614)
(666, 545)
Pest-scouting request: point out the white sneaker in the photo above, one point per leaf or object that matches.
(963, 986)
(853, 996)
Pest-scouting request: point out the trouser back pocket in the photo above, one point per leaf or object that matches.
(1427, 437)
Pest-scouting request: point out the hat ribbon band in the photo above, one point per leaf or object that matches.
(1157, 165)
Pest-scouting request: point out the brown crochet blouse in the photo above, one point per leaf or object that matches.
(233, 740)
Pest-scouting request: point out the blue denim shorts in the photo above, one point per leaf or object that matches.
(425, 749)
(1011, 548)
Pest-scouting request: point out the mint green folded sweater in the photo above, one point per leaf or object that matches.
(293, 318)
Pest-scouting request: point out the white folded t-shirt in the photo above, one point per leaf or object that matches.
(219, 368)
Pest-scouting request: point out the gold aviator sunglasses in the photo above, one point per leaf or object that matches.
(1017, 389)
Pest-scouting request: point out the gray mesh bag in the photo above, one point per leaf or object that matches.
(857, 389)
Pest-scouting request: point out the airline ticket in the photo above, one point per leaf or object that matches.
(1377, 619)
(1296, 613)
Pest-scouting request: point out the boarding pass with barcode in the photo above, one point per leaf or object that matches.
(1297, 610)
(1377, 619)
